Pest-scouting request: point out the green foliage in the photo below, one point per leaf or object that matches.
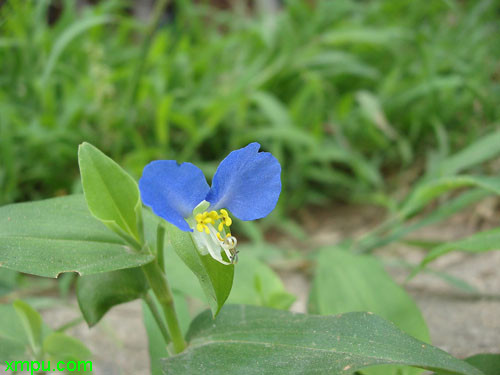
(53, 236)
(61, 347)
(478, 152)
(338, 92)
(255, 283)
(487, 363)
(477, 243)
(8, 280)
(343, 93)
(14, 341)
(98, 293)
(258, 340)
(156, 343)
(216, 279)
(427, 191)
(346, 282)
(111, 194)
(23, 336)
(32, 323)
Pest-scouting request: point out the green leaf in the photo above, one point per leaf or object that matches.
(345, 282)
(32, 323)
(441, 213)
(216, 279)
(478, 152)
(248, 340)
(61, 347)
(430, 190)
(477, 243)
(255, 283)
(111, 193)
(489, 364)
(13, 337)
(66, 37)
(8, 280)
(53, 236)
(98, 293)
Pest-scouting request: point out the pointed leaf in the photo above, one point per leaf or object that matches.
(14, 341)
(53, 236)
(429, 190)
(61, 347)
(111, 193)
(32, 323)
(477, 243)
(481, 150)
(248, 340)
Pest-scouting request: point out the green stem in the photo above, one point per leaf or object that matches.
(160, 247)
(158, 282)
(152, 26)
(70, 324)
(156, 315)
(359, 244)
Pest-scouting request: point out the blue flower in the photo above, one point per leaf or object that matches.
(247, 183)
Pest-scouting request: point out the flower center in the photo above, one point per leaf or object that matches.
(208, 221)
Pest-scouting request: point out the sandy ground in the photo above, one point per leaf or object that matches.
(459, 323)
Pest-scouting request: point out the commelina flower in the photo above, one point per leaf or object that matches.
(246, 184)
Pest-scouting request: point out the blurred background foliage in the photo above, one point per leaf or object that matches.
(349, 95)
(387, 102)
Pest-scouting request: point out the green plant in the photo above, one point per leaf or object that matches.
(344, 93)
(125, 255)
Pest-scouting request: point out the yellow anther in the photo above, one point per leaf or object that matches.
(225, 218)
(203, 220)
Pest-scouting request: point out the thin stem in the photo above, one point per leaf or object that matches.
(152, 26)
(156, 315)
(160, 245)
(70, 324)
(158, 282)
(359, 243)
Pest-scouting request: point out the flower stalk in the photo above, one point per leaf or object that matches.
(159, 284)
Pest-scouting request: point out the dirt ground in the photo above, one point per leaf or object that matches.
(459, 323)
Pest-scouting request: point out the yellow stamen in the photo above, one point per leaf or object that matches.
(203, 220)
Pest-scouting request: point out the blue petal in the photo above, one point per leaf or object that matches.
(247, 183)
(173, 190)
